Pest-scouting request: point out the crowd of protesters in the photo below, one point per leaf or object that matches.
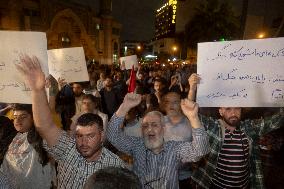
(81, 134)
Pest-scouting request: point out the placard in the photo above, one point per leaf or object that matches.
(245, 73)
(68, 63)
(13, 45)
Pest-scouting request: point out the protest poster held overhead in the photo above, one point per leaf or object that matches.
(68, 64)
(15, 44)
(245, 73)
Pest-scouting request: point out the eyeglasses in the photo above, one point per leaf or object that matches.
(20, 117)
(88, 138)
(150, 124)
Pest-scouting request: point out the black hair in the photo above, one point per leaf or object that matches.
(113, 178)
(7, 134)
(33, 136)
(89, 119)
(23, 107)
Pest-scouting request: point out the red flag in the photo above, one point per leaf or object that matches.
(132, 82)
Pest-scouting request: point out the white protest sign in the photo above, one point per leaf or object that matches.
(68, 63)
(13, 45)
(128, 61)
(248, 73)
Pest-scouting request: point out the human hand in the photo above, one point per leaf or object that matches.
(131, 100)
(193, 80)
(30, 69)
(61, 83)
(189, 108)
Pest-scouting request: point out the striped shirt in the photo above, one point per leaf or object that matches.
(253, 129)
(73, 169)
(158, 170)
(232, 170)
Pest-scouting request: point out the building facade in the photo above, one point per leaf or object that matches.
(67, 24)
(170, 21)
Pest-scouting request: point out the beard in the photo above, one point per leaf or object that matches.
(232, 121)
(153, 144)
(88, 151)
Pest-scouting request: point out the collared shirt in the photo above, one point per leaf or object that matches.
(180, 131)
(253, 130)
(4, 182)
(73, 169)
(157, 170)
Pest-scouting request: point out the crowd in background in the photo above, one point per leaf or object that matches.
(158, 86)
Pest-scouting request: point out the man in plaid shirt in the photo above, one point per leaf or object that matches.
(77, 158)
(234, 160)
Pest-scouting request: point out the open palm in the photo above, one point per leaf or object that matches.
(32, 73)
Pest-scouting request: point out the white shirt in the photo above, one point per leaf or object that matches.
(21, 163)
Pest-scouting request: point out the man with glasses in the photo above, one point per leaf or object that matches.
(156, 162)
(77, 158)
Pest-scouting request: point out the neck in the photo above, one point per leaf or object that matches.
(227, 126)
(157, 150)
(95, 156)
(175, 118)
(231, 128)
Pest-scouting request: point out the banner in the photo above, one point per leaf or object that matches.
(128, 61)
(13, 45)
(247, 73)
(68, 63)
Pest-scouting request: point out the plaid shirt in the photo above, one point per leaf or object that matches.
(158, 171)
(73, 169)
(253, 129)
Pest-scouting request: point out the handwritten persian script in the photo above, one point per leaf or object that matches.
(247, 73)
(68, 63)
(13, 45)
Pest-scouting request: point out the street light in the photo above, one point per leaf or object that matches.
(175, 49)
(261, 35)
(138, 47)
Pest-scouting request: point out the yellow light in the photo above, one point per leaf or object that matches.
(261, 35)
(138, 47)
(174, 48)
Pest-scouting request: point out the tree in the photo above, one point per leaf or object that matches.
(213, 21)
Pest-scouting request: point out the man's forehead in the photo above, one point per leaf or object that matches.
(86, 129)
(151, 118)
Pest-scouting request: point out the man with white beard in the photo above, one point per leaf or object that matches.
(156, 162)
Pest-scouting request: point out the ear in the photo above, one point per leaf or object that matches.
(221, 112)
(102, 136)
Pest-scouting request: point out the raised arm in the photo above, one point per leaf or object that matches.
(193, 80)
(34, 77)
(192, 151)
(114, 132)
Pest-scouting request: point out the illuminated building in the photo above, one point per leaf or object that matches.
(67, 23)
(170, 21)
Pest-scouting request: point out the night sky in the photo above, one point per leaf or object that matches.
(136, 16)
